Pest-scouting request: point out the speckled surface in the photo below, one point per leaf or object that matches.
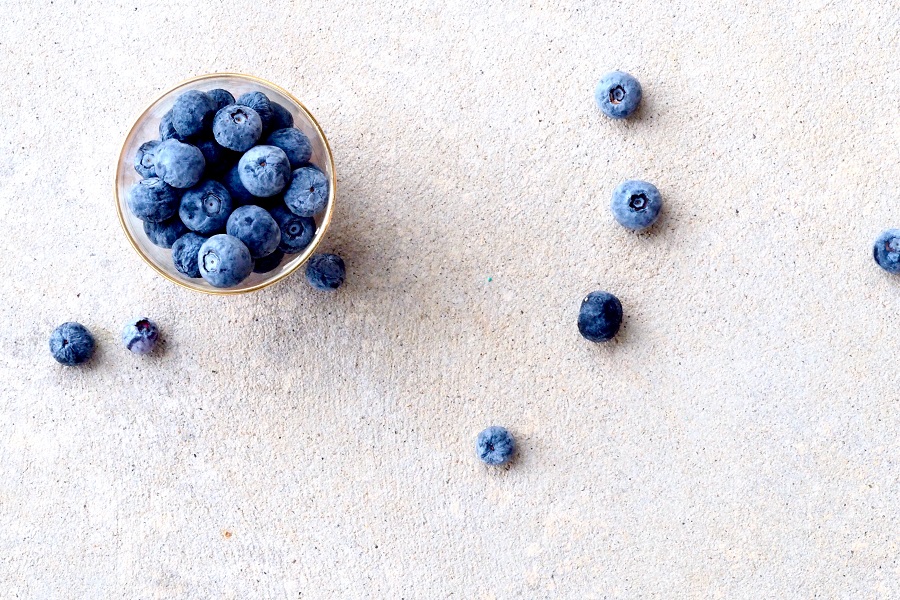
(739, 439)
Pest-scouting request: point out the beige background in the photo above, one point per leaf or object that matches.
(738, 439)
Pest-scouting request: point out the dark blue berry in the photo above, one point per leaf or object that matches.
(143, 159)
(281, 117)
(261, 104)
(224, 261)
(294, 143)
(178, 164)
(185, 254)
(618, 94)
(167, 129)
(636, 204)
(165, 233)
(268, 263)
(256, 228)
(140, 336)
(325, 271)
(206, 207)
(307, 194)
(264, 170)
(495, 446)
(296, 232)
(152, 199)
(71, 344)
(192, 113)
(239, 194)
(887, 250)
(237, 127)
(600, 316)
(220, 98)
(218, 159)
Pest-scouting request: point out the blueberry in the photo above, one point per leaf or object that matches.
(308, 193)
(178, 164)
(260, 103)
(143, 159)
(164, 234)
(268, 263)
(71, 344)
(296, 232)
(192, 113)
(281, 117)
(237, 127)
(224, 261)
(185, 253)
(294, 143)
(167, 129)
(495, 445)
(152, 199)
(325, 272)
(256, 228)
(220, 98)
(600, 316)
(264, 170)
(218, 159)
(239, 194)
(618, 94)
(636, 204)
(887, 250)
(206, 207)
(140, 335)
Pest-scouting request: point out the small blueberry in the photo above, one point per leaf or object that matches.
(887, 250)
(636, 204)
(256, 228)
(140, 335)
(165, 234)
(192, 113)
(239, 194)
(205, 208)
(185, 254)
(224, 261)
(264, 170)
(167, 129)
(296, 232)
(152, 200)
(71, 344)
(307, 194)
(220, 98)
(178, 164)
(268, 263)
(600, 316)
(618, 94)
(495, 446)
(325, 272)
(143, 159)
(294, 143)
(237, 127)
(261, 104)
(281, 117)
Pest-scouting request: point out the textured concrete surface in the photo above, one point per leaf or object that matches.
(738, 440)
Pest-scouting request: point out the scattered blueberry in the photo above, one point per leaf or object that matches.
(239, 194)
(256, 228)
(167, 128)
(143, 159)
(224, 261)
(636, 204)
(325, 271)
(237, 127)
(264, 170)
(600, 316)
(294, 143)
(165, 233)
(268, 263)
(887, 250)
(296, 232)
(618, 94)
(192, 113)
(495, 446)
(71, 344)
(281, 117)
(220, 98)
(178, 164)
(260, 103)
(140, 336)
(206, 207)
(185, 254)
(152, 199)
(307, 194)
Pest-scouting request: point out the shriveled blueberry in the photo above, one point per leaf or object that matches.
(140, 336)
(600, 316)
(281, 117)
(618, 94)
(220, 98)
(192, 113)
(307, 194)
(325, 272)
(165, 233)
(636, 204)
(268, 263)
(260, 103)
(152, 199)
(185, 254)
(224, 261)
(143, 159)
(887, 250)
(71, 344)
(256, 228)
(264, 170)
(178, 164)
(495, 445)
(239, 194)
(237, 127)
(218, 159)
(206, 207)
(296, 232)
(294, 143)
(167, 129)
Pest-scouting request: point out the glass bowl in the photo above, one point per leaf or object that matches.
(147, 128)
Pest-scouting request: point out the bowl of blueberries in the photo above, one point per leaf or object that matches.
(225, 184)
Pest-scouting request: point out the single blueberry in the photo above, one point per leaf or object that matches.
(495, 446)
(220, 98)
(281, 117)
(178, 164)
(264, 170)
(260, 103)
(71, 344)
(294, 143)
(165, 233)
(268, 263)
(307, 194)
(239, 194)
(237, 127)
(192, 113)
(224, 261)
(185, 254)
(256, 228)
(140, 335)
(218, 159)
(296, 232)
(600, 316)
(152, 199)
(618, 94)
(143, 159)
(636, 204)
(325, 272)
(167, 129)
(887, 250)
(206, 207)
